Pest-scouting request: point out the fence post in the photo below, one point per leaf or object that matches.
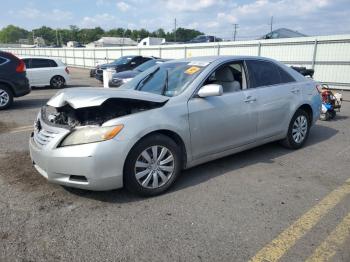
(160, 52)
(259, 49)
(107, 57)
(84, 57)
(74, 57)
(94, 57)
(65, 56)
(218, 51)
(185, 51)
(314, 55)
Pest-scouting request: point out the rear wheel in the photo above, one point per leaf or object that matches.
(6, 97)
(298, 130)
(152, 165)
(57, 82)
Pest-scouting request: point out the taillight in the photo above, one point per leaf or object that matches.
(21, 67)
(67, 71)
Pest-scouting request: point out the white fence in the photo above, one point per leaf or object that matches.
(329, 56)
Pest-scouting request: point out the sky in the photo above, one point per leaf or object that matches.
(215, 17)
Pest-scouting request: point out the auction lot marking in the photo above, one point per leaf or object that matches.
(285, 240)
(329, 246)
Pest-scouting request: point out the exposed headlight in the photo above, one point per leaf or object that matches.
(85, 135)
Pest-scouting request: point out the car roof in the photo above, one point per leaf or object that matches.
(222, 58)
(57, 60)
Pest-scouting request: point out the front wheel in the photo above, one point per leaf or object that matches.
(298, 130)
(6, 97)
(57, 82)
(152, 165)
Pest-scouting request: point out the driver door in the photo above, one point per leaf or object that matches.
(220, 123)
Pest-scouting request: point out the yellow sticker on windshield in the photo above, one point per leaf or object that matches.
(192, 70)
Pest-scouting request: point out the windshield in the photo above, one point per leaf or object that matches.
(168, 79)
(145, 65)
(122, 60)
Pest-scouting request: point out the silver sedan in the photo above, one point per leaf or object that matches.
(170, 117)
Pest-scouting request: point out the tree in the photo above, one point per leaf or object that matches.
(11, 34)
(47, 33)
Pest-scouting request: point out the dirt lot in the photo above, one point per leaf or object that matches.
(266, 203)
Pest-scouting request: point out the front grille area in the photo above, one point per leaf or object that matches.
(43, 137)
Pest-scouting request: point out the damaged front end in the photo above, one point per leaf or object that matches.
(70, 109)
(69, 117)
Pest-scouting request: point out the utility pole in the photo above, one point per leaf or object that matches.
(56, 37)
(175, 31)
(271, 24)
(235, 27)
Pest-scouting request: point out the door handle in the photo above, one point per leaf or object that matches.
(250, 99)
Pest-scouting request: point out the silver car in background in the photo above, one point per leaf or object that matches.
(171, 117)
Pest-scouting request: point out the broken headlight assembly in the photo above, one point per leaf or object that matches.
(91, 134)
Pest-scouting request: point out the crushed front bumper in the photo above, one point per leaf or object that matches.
(95, 166)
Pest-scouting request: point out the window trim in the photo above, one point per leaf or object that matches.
(6, 60)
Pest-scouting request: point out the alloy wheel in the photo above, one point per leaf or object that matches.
(4, 98)
(57, 82)
(154, 167)
(299, 130)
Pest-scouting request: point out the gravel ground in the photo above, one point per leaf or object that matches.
(225, 210)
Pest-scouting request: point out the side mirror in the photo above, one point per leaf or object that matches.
(210, 90)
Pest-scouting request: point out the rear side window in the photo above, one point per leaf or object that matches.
(42, 63)
(285, 76)
(263, 73)
(52, 63)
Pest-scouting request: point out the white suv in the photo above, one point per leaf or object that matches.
(45, 71)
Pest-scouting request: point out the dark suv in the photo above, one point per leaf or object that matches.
(121, 64)
(13, 80)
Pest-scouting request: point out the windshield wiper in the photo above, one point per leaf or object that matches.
(144, 80)
(165, 87)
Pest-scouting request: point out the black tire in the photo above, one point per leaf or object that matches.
(6, 97)
(332, 114)
(57, 82)
(290, 141)
(130, 180)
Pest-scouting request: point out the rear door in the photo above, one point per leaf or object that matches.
(277, 92)
(41, 70)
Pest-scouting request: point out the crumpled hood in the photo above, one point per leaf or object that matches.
(95, 96)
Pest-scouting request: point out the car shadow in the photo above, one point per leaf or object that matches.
(28, 103)
(202, 173)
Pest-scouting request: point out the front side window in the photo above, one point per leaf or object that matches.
(262, 73)
(168, 79)
(230, 76)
